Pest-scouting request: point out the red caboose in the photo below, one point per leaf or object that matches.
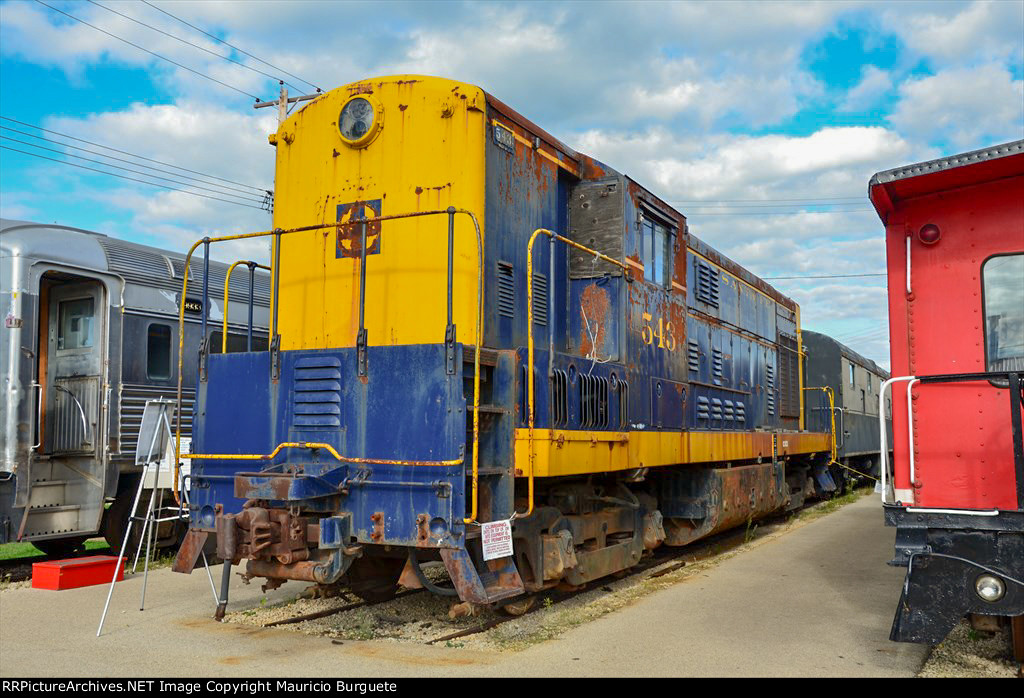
(955, 249)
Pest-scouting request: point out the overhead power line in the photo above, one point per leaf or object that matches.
(133, 179)
(163, 58)
(262, 190)
(823, 276)
(756, 201)
(220, 187)
(206, 33)
(127, 169)
(775, 213)
(189, 43)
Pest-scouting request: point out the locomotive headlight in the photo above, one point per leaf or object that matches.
(989, 587)
(359, 121)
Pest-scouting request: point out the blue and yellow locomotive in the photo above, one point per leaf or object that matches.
(479, 334)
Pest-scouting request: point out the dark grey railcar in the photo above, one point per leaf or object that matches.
(855, 381)
(90, 333)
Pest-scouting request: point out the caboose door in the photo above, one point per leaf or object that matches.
(76, 341)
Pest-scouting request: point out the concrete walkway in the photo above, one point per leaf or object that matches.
(817, 601)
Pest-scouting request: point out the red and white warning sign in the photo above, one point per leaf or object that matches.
(497, 539)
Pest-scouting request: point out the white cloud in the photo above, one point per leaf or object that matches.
(968, 106)
(951, 33)
(874, 84)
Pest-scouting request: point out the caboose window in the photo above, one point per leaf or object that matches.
(158, 352)
(654, 250)
(1002, 279)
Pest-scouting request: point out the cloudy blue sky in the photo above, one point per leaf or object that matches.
(761, 121)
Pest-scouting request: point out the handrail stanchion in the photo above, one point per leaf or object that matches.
(531, 417)
(206, 288)
(227, 285)
(252, 294)
(449, 331)
(253, 266)
(361, 336)
(275, 339)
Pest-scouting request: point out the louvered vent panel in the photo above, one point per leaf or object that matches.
(789, 380)
(769, 380)
(316, 398)
(703, 408)
(134, 262)
(693, 355)
(540, 299)
(506, 290)
(707, 283)
(716, 408)
(218, 272)
(717, 363)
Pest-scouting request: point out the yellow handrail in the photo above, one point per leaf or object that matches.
(529, 325)
(834, 452)
(834, 449)
(312, 444)
(227, 284)
(274, 272)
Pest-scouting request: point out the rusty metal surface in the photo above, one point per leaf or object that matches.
(703, 502)
(189, 552)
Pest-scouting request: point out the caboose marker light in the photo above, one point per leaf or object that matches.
(929, 234)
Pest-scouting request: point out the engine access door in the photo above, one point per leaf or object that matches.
(76, 340)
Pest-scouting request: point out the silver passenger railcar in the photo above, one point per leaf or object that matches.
(90, 333)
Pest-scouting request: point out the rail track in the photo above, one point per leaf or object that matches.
(660, 562)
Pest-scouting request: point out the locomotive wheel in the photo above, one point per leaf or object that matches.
(66, 547)
(519, 606)
(375, 579)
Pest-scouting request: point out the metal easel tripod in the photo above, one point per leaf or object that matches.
(156, 424)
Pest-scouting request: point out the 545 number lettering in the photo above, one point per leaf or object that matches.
(664, 333)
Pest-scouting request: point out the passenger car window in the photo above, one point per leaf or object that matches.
(76, 326)
(1002, 279)
(158, 352)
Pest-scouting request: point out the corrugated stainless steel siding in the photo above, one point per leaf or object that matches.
(133, 404)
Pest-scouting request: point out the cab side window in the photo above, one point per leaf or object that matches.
(655, 248)
(1002, 279)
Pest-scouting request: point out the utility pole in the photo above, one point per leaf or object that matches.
(283, 101)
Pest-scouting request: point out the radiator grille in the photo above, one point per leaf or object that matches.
(593, 393)
(559, 398)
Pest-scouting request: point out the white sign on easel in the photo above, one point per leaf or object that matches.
(496, 538)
